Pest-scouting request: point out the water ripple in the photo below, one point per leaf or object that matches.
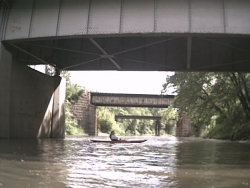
(167, 162)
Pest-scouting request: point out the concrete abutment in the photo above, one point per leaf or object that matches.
(183, 127)
(5, 79)
(31, 103)
(85, 114)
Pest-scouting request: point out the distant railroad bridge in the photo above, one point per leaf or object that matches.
(131, 100)
(87, 113)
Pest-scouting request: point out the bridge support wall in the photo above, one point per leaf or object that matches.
(58, 116)
(31, 103)
(5, 78)
(183, 127)
(85, 113)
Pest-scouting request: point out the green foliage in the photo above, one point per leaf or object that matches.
(71, 124)
(49, 70)
(169, 119)
(218, 103)
(106, 120)
(73, 92)
(66, 75)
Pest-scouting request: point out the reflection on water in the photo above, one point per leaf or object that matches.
(159, 162)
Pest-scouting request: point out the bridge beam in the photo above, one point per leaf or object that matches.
(131, 100)
(28, 18)
(137, 117)
(105, 53)
(129, 35)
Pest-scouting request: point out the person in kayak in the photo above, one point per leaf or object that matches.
(113, 137)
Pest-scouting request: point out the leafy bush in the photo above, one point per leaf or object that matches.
(73, 93)
(218, 103)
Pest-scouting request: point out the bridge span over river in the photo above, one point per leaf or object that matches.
(139, 35)
(84, 110)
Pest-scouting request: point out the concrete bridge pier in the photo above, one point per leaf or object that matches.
(5, 77)
(183, 127)
(85, 114)
(58, 112)
(31, 103)
(157, 127)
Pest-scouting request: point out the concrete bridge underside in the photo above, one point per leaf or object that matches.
(142, 35)
(162, 35)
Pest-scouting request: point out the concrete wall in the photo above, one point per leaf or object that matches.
(183, 127)
(31, 103)
(5, 77)
(85, 113)
(58, 118)
(92, 121)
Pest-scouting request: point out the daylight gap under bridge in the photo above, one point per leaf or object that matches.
(156, 118)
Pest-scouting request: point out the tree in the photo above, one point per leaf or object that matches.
(169, 119)
(218, 103)
(49, 70)
(106, 123)
(73, 92)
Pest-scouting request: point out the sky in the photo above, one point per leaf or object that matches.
(127, 82)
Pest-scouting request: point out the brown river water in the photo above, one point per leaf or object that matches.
(167, 162)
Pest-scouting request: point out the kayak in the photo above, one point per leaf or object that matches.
(117, 141)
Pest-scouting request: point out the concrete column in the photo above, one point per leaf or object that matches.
(156, 130)
(157, 127)
(183, 128)
(58, 113)
(93, 130)
(5, 80)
